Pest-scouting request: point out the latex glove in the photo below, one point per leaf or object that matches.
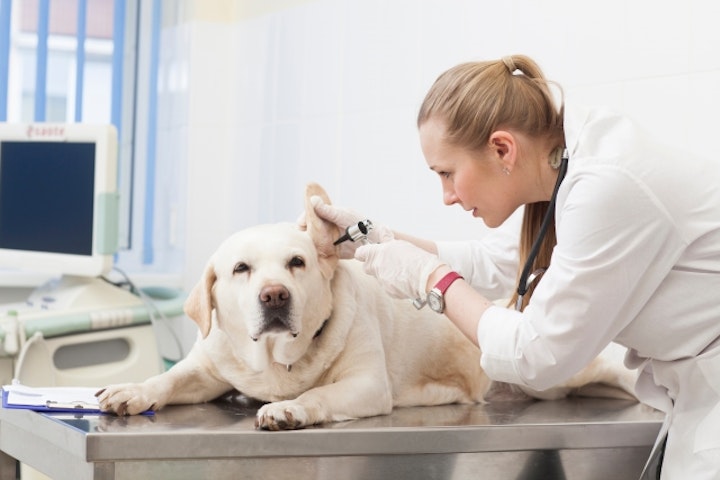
(343, 218)
(401, 267)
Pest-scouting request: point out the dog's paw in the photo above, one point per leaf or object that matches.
(286, 415)
(126, 399)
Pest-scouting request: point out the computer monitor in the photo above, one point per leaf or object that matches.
(58, 198)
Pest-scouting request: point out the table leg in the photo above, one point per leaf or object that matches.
(8, 467)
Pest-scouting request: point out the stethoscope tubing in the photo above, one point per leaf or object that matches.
(526, 278)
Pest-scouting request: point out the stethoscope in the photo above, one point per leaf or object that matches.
(527, 278)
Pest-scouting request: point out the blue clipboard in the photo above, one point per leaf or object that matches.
(54, 406)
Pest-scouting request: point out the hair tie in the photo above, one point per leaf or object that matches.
(510, 64)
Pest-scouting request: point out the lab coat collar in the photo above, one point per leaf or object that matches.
(575, 119)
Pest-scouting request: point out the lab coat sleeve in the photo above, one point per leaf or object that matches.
(489, 265)
(616, 243)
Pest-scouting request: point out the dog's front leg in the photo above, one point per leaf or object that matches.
(189, 381)
(363, 394)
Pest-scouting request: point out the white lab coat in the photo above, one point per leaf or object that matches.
(638, 262)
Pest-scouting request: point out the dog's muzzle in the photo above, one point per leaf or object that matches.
(275, 303)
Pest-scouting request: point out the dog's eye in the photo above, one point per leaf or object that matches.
(241, 267)
(296, 262)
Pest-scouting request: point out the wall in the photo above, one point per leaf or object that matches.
(285, 92)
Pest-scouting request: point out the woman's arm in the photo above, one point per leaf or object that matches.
(427, 245)
(463, 305)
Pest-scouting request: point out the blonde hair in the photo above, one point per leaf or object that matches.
(473, 100)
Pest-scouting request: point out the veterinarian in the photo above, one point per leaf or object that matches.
(632, 254)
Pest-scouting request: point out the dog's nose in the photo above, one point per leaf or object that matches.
(274, 296)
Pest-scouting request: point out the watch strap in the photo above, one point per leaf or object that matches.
(446, 281)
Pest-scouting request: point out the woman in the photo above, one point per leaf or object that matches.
(633, 255)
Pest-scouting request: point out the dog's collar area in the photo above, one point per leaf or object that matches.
(317, 334)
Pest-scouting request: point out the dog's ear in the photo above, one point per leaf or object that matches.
(323, 233)
(199, 304)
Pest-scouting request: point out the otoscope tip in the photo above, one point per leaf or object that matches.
(341, 239)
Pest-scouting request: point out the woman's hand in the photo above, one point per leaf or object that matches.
(344, 218)
(400, 267)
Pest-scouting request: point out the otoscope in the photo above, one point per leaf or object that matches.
(355, 232)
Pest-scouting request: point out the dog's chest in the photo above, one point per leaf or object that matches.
(275, 383)
(270, 380)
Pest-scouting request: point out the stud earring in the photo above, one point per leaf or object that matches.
(506, 170)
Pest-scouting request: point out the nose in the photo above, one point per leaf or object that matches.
(449, 197)
(274, 296)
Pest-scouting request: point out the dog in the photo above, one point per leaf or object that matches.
(281, 319)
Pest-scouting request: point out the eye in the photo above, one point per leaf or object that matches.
(296, 262)
(241, 267)
(444, 174)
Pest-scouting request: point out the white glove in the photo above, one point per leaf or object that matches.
(401, 267)
(343, 218)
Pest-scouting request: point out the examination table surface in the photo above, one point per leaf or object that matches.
(575, 438)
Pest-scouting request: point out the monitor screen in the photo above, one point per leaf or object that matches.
(58, 208)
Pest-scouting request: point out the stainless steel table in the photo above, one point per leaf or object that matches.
(577, 438)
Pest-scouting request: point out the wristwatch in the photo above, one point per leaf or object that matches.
(435, 297)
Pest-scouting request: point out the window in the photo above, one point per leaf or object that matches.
(94, 61)
(49, 73)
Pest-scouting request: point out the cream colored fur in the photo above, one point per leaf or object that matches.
(282, 320)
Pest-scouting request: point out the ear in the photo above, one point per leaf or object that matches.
(504, 146)
(199, 304)
(322, 232)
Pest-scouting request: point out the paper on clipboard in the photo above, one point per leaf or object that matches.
(51, 399)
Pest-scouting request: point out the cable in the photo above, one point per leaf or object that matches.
(154, 313)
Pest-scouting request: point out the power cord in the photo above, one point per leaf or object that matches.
(157, 318)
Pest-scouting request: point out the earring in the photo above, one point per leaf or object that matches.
(506, 170)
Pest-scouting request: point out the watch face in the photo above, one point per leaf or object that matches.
(435, 302)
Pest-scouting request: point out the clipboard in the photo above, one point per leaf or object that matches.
(52, 399)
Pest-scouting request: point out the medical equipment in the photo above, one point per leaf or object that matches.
(89, 334)
(356, 232)
(59, 216)
(527, 278)
(58, 198)
(84, 330)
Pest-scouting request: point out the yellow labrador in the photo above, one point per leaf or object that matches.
(284, 321)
